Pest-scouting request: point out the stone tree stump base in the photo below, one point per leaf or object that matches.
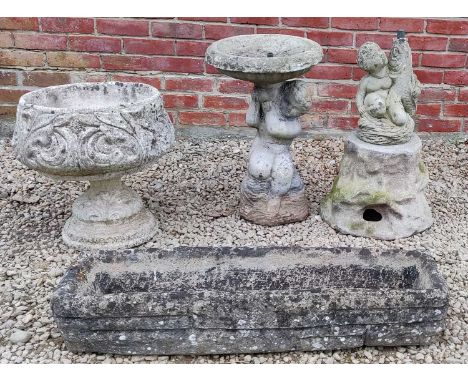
(378, 192)
(201, 300)
(264, 209)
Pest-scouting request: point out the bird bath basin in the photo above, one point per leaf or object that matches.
(264, 58)
(272, 192)
(96, 132)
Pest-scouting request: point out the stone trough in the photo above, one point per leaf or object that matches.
(197, 300)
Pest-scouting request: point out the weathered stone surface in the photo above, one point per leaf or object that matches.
(264, 58)
(96, 132)
(387, 96)
(272, 192)
(229, 300)
(379, 191)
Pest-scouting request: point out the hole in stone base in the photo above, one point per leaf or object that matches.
(371, 215)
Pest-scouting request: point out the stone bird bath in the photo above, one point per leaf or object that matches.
(96, 132)
(272, 192)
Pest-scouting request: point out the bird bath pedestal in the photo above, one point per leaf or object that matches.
(272, 192)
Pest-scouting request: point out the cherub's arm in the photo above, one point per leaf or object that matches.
(361, 94)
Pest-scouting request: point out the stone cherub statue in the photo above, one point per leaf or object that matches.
(272, 186)
(386, 97)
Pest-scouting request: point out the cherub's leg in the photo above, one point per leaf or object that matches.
(282, 173)
(396, 110)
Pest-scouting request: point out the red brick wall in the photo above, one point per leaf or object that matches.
(168, 53)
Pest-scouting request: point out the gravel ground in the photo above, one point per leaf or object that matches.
(193, 191)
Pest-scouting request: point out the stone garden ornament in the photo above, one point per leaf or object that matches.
(272, 192)
(379, 189)
(96, 132)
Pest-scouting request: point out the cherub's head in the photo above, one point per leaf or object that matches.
(296, 98)
(371, 58)
(375, 105)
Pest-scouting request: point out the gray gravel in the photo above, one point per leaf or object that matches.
(193, 191)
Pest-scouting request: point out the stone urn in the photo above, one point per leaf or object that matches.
(96, 132)
(272, 192)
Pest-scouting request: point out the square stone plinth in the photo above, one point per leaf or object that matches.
(204, 300)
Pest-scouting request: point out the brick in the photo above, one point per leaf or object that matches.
(95, 77)
(7, 110)
(458, 45)
(331, 38)
(178, 64)
(463, 97)
(286, 31)
(191, 48)
(329, 106)
(206, 19)
(355, 23)
(416, 58)
(7, 78)
(437, 94)
(313, 121)
(40, 41)
(385, 41)
(148, 47)
(217, 32)
(235, 86)
(147, 79)
(456, 110)
(329, 72)
(237, 120)
(122, 27)
(95, 44)
(67, 24)
(6, 40)
(209, 69)
(427, 42)
(309, 22)
(255, 20)
(430, 109)
(190, 84)
(176, 30)
(19, 23)
(165, 64)
(447, 26)
(343, 56)
(224, 103)
(126, 62)
(180, 101)
(201, 118)
(358, 73)
(393, 24)
(426, 76)
(344, 123)
(43, 79)
(337, 90)
(438, 125)
(11, 95)
(21, 58)
(72, 60)
(456, 77)
(443, 60)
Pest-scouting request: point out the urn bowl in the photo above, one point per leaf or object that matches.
(91, 129)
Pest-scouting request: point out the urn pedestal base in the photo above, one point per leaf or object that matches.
(265, 209)
(109, 215)
(378, 192)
